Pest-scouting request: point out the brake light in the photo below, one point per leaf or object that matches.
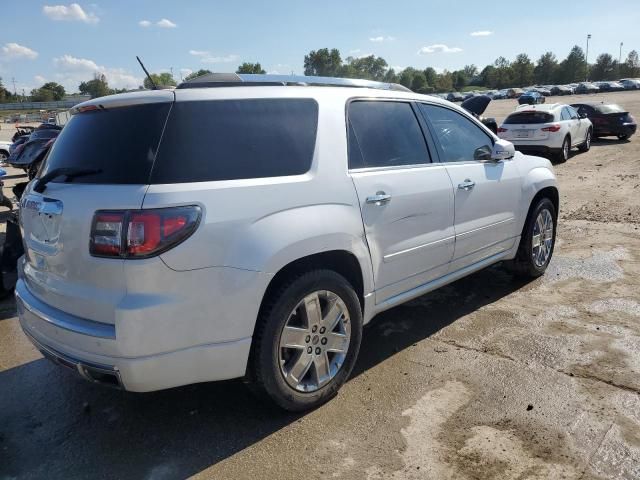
(553, 128)
(141, 233)
(501, 130)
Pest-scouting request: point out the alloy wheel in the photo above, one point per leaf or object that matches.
(542, 239)
(314, 341)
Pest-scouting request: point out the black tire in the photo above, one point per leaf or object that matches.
(264, 372)
(3, 156)
(563, 154)
(584, 147)
(524, 265)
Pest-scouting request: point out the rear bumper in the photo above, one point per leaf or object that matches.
(199, 335)
(615, 130)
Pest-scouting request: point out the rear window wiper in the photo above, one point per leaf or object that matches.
(69, 173)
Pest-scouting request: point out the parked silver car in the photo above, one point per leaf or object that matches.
(243, 230)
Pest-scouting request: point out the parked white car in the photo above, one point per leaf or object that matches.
(4, 150)
(548, 130)
(209, 233)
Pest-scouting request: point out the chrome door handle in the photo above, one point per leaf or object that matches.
(466, 185)
(380, 198)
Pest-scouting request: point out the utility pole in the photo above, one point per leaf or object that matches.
(620, 56)
(586, 58)
(14, 86)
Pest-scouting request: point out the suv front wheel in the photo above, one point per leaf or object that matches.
(307, 340)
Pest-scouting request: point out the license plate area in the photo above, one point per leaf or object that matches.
(522, 133)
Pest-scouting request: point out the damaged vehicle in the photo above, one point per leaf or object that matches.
(477, 106)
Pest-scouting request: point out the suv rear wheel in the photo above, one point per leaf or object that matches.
(565, 151)
(307, 340)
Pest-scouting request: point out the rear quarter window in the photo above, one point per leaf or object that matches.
(525, 118)
(611, 108)
(237, 139)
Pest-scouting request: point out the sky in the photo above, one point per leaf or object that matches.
(44, 41)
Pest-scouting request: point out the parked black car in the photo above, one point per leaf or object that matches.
(30, 154)
(561, 90)
(608, 119)
(532, 97)
(476, 106)
(455, 97)
(610, 87)
(587, 87)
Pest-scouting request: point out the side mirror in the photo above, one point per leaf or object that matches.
(583, 115)
(502, 150)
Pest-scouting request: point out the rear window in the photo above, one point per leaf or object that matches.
(121, 143)
(529, 118)
(611, 108)
(235, 139)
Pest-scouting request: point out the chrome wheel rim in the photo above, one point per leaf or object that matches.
(565, 150)
(542, 241)
(314, 341)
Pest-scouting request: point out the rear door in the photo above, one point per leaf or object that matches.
(487, 193)
(117, 144)
(581, 126)
(406, 200)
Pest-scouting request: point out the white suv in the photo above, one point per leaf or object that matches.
(551, 129)
(220, 231)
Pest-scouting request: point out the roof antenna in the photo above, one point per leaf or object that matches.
(153, 84)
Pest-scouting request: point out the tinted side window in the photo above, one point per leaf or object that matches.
(234, 139)
(387, 133)
(460, 139)
(585, 110)
(572, 112)
(565, 115)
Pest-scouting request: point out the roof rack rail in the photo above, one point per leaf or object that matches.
(211, 80)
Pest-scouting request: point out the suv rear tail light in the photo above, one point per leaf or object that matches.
(141, 233)
(552, 128)
(501, 130)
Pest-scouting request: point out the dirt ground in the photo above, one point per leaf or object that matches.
(488, 378)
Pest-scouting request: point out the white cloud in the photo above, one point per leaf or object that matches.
(207, 57)
(381, 39)
(481, 33)
(362, 55)
(397, 68)
(73, 12)
(165, 23)
(72, 70)
(438, 48)
(13, 50)
(185, 72)
(354, 51)
(144, 23)
(40, 79)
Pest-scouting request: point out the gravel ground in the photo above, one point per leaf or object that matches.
(486, 378)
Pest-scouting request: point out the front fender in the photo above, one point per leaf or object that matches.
(537, 178)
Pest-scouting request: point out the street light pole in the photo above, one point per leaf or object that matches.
(586, 58)
(620, 56)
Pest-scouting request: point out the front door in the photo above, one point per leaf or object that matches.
(406, 200)
(487, 193)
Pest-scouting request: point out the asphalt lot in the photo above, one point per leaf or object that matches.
(489, 377)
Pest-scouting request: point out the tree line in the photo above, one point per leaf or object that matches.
(325, 62)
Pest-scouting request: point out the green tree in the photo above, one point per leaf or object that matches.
(41, 95)
(390, 76)
(406, 76)
(431, 76)
(197, 74)
(164, 79)
(98, 87)
(631, 66)
(501, 75)
(522, 70)
(605, 68)
(370, 68)
(247, 67)
(459, 79)
(323, 62)
(573, 68)
(485, 75)
(419, 83)
(444, 82)
(470, 71)
(545, 69)
(56, 89)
